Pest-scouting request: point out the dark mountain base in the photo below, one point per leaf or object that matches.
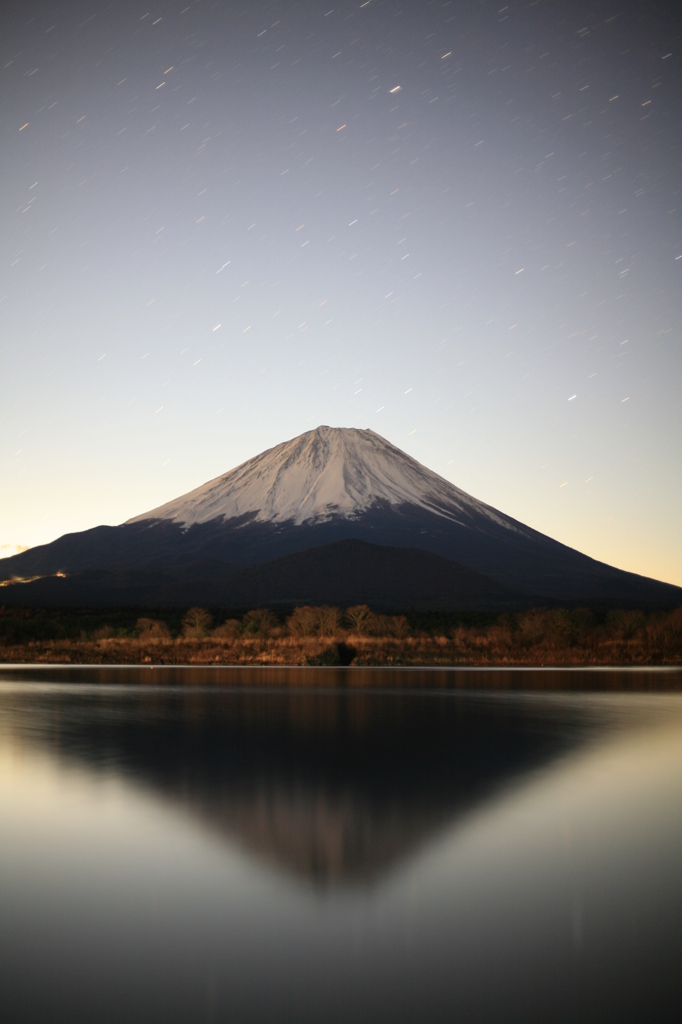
(156, 561)
(348, 572)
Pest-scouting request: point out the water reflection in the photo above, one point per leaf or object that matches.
(335, 787)
(185, 854)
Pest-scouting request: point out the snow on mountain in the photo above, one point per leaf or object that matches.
(322, 474)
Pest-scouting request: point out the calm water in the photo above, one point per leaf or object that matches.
(189, 853)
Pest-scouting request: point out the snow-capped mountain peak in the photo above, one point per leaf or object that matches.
(322, 474)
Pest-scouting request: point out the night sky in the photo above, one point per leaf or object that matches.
(457, 223)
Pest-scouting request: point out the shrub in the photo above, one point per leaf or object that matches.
(260, 621)
(583, 622)
(560, 625)
(303, 621)
(382, 625)
(103, 633)
(624, 624)
(400, 627)
(667, 629)
(229, 630)
(196, 623)
(328, 620)
(499, 635)
(152, 629)
(459, 635)
(533, 626)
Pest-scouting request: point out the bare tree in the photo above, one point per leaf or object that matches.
(383, 626)
(152, 629)
(360, 619)
(400, 627)
(260, 620)
(533, 626)
(328, 620)
(196, 623)
(303, 621)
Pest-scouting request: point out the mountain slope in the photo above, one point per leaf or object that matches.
(343, 573)
(323, 474)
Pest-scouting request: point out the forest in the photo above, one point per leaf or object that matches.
(323, 635)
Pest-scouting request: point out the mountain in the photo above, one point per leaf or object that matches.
(327, 486)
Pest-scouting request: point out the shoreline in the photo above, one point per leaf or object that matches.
(547, 680)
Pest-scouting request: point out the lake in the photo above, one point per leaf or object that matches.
(390, 846)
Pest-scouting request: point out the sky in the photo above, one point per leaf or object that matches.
(457, 223)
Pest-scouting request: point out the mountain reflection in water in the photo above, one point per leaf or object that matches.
(335, 787)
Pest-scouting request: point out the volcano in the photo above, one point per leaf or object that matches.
(336, 514)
